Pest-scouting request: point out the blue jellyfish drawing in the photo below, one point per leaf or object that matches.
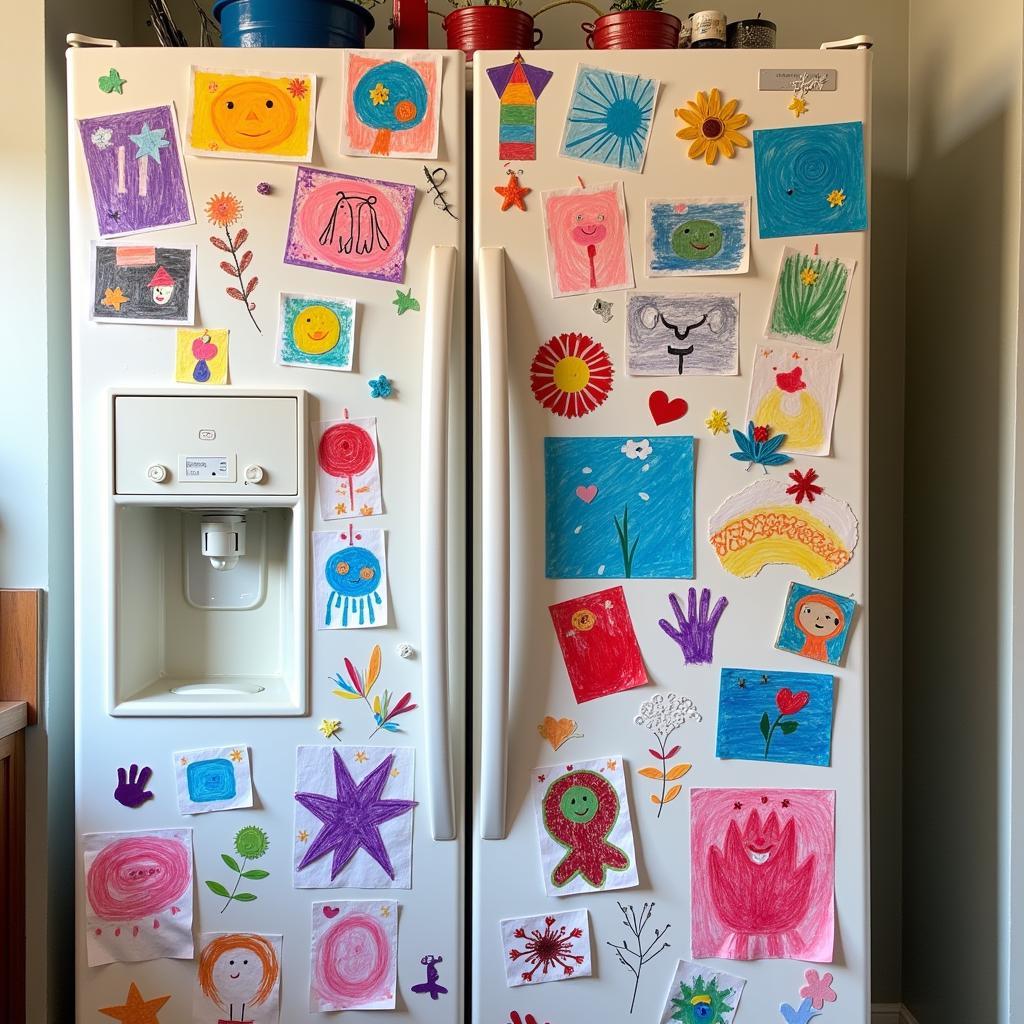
(354, 577)
(392, 97)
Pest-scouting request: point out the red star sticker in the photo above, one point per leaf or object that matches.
(512, 194)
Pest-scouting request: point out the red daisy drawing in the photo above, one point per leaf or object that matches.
(571, 375)
(298, 88)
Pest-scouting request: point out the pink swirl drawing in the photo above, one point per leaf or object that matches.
(138, 876)
(352, 962)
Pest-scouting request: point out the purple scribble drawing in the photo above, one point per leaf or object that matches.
(350, 225)
(136, 171)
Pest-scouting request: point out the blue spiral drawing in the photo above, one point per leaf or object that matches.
(798, 169)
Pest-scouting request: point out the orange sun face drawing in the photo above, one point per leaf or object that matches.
(571, 375)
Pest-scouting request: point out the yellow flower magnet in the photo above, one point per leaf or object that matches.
(712, 127)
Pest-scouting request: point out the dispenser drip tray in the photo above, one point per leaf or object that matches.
(243, 688)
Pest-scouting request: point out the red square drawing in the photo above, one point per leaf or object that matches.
(598, 644)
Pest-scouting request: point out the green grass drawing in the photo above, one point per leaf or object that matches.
(811, 311)
(628, 550)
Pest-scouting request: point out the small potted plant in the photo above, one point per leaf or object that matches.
(634, 25)
(489, 25)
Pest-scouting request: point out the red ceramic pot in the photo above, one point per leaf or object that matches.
(634, 30)
(490, 28)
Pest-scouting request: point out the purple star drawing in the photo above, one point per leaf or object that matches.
(352, 819)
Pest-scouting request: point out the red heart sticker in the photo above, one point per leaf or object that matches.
(790, 703)
(665, 409)
(203, 349)
(586, 494)
(331, 911)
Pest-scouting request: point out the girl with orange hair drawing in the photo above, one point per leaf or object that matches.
(238, 973)
(820, 619)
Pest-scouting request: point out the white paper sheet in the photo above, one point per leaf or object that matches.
(584, 827)
(363, 802)
(238, 978)
(138, 895)
(549, 947)
(353, 955)
(213, 779)
(697, 986)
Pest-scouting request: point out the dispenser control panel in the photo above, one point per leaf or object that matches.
(217, 444)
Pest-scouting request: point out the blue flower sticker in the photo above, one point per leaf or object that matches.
(380, 387)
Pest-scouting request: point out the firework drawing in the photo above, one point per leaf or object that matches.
(609, 118)
(552, 948)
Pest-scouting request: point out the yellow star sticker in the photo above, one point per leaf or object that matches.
(718, 421)
(379, 94)
(385, 911)
(798, 105)
(395, 773)
(808, 275)
(612, 765)
(114, 299)
(360, 756)
(235, 755)
(183, 760)
(303, 836)
(340, 508)
(136, 1010)
(836, 197)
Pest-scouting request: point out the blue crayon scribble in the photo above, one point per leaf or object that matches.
(666, 222)
(619, 507)
(211, 780)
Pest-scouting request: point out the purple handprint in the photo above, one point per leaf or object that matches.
(131, 787)
(696, 633)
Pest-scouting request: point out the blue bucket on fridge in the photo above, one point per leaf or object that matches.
(292, 23)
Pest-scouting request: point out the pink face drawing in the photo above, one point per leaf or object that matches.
(588, 228)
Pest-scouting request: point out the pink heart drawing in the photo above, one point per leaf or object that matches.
(175, 910)
(331, 911)
(203, 349)
(586, 494)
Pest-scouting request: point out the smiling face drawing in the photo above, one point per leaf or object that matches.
(819, 616)
(238, 971)
(253, 115)
(316, 330)
(580, 809)
(697, 239)
(586, 234)
(588, 228)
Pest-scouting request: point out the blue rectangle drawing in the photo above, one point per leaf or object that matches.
(619, 507)
(684, 334)
(775, 716)
(688, 237)
(810, 180)
(609, 118)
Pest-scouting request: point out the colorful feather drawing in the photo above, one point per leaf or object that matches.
(357, 687)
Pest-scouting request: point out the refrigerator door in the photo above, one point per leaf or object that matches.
(421, 450)
(519, 673)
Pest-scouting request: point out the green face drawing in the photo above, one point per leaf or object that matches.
(697, 240)
(578, 804)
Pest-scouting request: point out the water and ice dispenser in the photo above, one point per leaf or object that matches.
(209, 535)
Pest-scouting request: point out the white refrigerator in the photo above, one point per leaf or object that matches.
(156, 674)
(544, 465)
(550, 484)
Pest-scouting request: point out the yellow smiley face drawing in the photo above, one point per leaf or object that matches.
(316, 330)
(253, 115)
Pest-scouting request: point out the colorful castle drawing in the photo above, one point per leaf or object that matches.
(518, 86)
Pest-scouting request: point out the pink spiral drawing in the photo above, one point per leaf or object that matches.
(352, 961)
(138, 876)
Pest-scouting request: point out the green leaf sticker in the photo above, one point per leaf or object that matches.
(217, 888)
(231, 862)
(244, 897)
(255, 873)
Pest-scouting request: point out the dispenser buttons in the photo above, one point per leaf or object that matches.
(254, 474)
(157, 473)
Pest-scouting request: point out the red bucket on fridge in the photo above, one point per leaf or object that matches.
(633, 30)
(490, 28)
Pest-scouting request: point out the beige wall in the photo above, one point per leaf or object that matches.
(963, 288)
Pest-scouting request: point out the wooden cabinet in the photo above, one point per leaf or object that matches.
(12, 868)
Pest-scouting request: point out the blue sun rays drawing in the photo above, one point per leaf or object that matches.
(609, 118)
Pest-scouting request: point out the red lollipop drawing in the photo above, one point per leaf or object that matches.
(347, 452)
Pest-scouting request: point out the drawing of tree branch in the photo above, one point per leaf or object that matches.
(641, 956)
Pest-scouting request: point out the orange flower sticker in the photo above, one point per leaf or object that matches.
(223, 210)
